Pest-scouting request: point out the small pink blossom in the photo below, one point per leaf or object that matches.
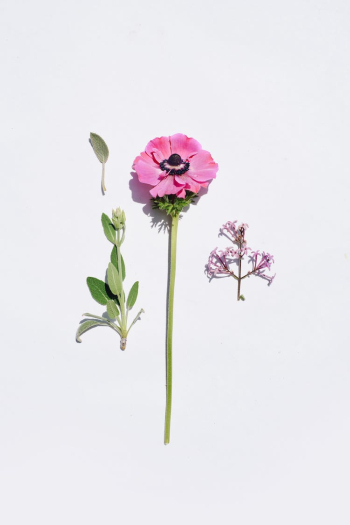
(175, 164)
(237, 233)
(269, 278)
(239, 252)
(218, 263)
(265, 261)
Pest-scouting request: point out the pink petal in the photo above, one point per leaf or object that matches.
(147, 173)
(154, 191)
(181, 194)
(160, 148)
(190, 183)
(202, 167)
(202, 176)
(167, 186)
(184, 146)
(202, 161)
(148, 159)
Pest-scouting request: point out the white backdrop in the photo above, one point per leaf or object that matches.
(260, 428)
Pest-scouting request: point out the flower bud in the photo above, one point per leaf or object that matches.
(118, 218)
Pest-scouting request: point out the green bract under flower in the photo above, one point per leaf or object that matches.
(172, 204)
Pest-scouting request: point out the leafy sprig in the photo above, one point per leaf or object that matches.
(110, 293)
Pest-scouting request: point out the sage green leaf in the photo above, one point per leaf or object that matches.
(114, 260)
(114, 280)
(87, 325)
(108, 228)
(112, 325)
(99, 290)
(100, 147)
(132, 295)
(112, 309)
(136, 318)
(96, 317)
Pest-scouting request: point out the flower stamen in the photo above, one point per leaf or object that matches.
(174, 165)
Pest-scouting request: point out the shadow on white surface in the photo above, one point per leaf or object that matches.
(140, 194)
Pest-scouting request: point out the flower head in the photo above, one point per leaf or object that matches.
(218, 263)
(265, 261)
(236, 233)
(175, 164)
(118, 218)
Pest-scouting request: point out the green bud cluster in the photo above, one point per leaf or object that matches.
(118, 218)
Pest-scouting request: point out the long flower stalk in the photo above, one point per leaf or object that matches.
(169, 338)
(176, 167)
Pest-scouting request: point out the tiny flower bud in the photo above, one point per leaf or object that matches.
(118, 218)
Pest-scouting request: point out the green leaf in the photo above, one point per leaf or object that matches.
(99, 290)
(108, 228)
(87, 325)
(114, 260)
(100, 147)
(112, 309)
(136, 318)
(132, 295)
(114, 281)
(96, 317)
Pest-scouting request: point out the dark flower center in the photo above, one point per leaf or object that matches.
(174, 165)
(174, 160)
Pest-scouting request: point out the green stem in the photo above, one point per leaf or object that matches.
(239, 274)
(103, 177)
(239, 278)
(122, 297)
(169, 340)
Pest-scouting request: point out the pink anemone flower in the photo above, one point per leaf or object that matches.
(175, 164)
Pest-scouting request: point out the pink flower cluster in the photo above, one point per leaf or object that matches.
(220, 260)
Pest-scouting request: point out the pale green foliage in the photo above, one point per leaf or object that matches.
(132, 295)
(112, 309)
(114, 280)
(111, 293)
(87, 325)
(108, 228)
(114, 260)
(100, 147)
(99, 290)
